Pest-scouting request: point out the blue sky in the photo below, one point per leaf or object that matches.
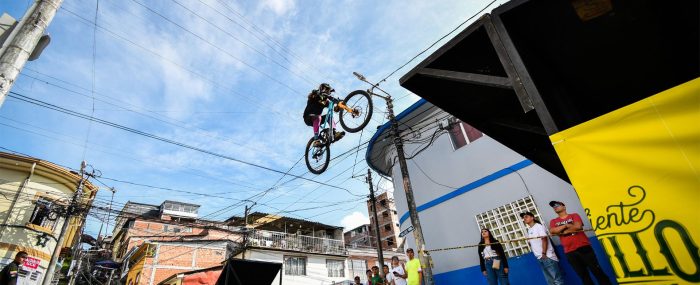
(235, 84)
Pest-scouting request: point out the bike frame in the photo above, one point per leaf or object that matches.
(329, 118)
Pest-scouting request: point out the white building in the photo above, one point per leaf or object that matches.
(310, 252)
(464, 180)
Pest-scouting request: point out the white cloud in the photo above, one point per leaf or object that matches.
(353, 220)
(280, 7)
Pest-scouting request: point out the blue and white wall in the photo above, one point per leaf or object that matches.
(478, 177)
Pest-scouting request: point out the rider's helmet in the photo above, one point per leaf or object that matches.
(325, 88)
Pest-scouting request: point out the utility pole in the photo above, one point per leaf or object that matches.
(408, 189)
(413, 213)
(373, 200)
(245, 233)
(22, 42)
(71, 209)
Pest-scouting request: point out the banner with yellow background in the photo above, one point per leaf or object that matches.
(637, 173)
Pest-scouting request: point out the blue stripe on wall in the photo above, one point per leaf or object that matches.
(524, 270)
(471, 186)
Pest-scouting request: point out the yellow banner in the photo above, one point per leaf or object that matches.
(637, 173)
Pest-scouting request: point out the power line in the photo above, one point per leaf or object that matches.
(218, 48)
(171, 61)
(179, 124)
(92, 91)
(152, 136)
(120, 154)
(244, 43)
(434, 43)
(261, 31)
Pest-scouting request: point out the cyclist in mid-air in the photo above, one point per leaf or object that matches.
(316, 101)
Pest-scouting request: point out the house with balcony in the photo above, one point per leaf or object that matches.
(310, 252)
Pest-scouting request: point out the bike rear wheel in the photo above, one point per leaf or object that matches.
(318, 157)
(361, 103)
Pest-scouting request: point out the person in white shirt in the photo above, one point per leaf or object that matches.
(397, 271)
(543, 249)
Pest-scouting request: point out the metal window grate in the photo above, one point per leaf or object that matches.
(505, 224)
(294, 265)
(336, 268)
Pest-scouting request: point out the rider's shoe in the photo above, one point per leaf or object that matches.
(338, 135)
(318, 143)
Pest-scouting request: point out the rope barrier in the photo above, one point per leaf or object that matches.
(428, 251)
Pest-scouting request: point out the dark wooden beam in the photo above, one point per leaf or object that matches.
(473, 78)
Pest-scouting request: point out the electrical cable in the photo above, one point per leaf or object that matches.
(173, 62)
(152, 136)
(218, 48)
(434, 43)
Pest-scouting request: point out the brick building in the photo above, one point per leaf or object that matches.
(153, 242)
(361, 237)
(388, 221)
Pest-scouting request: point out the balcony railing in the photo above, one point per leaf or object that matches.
(278, 240)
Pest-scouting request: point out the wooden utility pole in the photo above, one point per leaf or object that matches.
(22, 41)
(246, 229)
(373, 201)
(408, 189)
(398, 143)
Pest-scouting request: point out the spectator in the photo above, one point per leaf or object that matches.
(9, 274)
(385, 274)
(357, 280)
(577, 248)
(369, 276)
(376, 278)
(492, 258)
(543, 249)
(398, 273)
(414, 272)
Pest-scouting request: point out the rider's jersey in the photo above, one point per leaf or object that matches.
(313, 104)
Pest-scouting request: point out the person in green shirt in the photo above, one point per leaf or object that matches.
(376, 278)
(414, 272)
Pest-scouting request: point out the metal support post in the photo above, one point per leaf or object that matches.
(51, 269)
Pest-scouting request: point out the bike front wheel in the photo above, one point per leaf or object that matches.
(317, 157)
(361, 104)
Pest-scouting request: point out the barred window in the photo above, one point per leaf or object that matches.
(336, 268)
(42, 215)
(358, 267)
(505, 223)
(294, 265)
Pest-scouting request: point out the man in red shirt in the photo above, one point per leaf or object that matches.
(578, 249)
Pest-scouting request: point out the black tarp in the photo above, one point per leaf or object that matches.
(248, 272)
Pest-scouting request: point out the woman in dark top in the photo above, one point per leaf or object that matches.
(492, 259)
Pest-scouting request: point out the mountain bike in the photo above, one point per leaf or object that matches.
(354, 112)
